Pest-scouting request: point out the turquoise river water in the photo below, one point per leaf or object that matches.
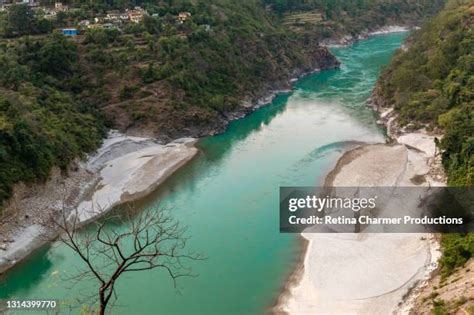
(228, 198)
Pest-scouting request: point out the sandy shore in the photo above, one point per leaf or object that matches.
(134, 175)
(124, 169)
(350, 39)
(390, 29)
(369, 273)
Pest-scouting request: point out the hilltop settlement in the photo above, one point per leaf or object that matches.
(79, 20)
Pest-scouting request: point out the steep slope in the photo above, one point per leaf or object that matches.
(430, 85)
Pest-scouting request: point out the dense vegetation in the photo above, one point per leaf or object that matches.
(336, 8)
(158, 77)
(41, 123)
(351, 16)
(457, 250)
(21, 20)
(432, 84)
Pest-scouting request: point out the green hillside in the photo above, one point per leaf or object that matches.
(432, 85)
(159, 77)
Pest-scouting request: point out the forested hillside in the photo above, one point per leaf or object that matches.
(432, 85)
(333, 17)
(43, 122)
(163, 76)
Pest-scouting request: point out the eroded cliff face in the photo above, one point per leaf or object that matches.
(387, 116)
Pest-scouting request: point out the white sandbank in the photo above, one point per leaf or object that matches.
(133, 175)
(126, 169)
(390, 29)
(368, 273)
(349, 39)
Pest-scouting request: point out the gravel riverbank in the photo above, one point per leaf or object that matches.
(124, 169)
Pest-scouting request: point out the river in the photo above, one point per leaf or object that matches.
(228, 198)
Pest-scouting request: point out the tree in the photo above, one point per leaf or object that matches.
(151, 239)
(20, 20)
(61, 18)
(57, 56)
(280, 5)
(149, 75)
(152, 24)
(44, 26)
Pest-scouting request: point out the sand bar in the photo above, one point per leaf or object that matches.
(368, 273)
(122, 170)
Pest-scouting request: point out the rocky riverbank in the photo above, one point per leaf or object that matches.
(457, 291)
(337, 268)
(124, 169)
(368, 273)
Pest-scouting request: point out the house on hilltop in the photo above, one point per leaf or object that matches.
(6, 4)
(70, 31)
(59, 6)
(113, 15)
(136, 15)
(95, 26)
(116, 15)
(84, 23)
(49, 13)
(183, 16)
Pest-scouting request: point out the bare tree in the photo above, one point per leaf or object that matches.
(143, 241)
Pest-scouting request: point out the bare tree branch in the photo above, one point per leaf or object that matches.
(140, 241)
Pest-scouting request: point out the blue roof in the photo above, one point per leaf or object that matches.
(70, 31)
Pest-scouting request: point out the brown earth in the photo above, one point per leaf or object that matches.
(453, 295)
